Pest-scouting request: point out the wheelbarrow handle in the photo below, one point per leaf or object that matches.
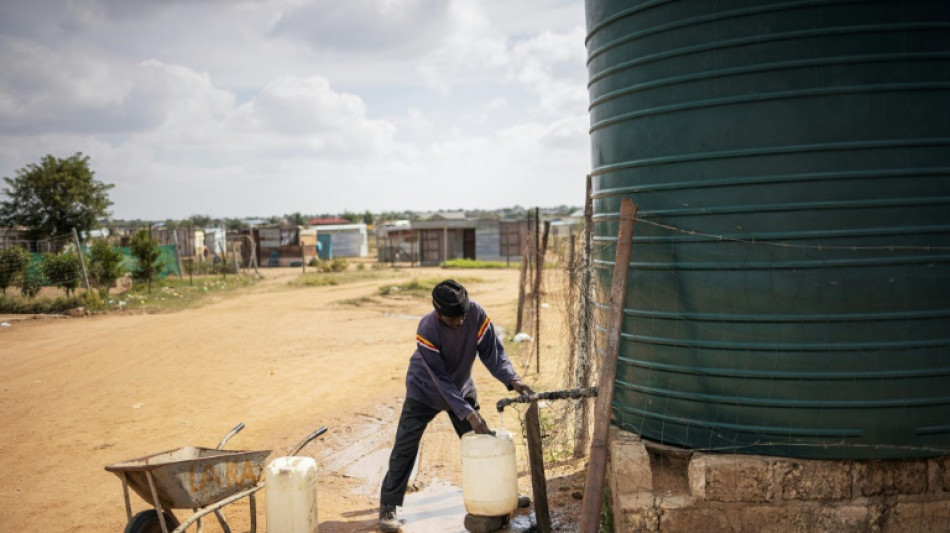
(237, 429)
(306, 440)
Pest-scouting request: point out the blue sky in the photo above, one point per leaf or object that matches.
(254, 108)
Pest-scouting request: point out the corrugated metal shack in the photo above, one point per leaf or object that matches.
(440, 239)
(189, 242)
(342, 240)
(284, 246)
(292, 245)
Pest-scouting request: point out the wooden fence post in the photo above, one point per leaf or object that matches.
(597, 465)
(536, 457)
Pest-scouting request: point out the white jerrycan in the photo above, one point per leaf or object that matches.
(290, 484)
(489, 474)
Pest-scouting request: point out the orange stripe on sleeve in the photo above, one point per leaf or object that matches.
(426, 343)
(483, 328)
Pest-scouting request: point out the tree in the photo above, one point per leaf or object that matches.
(200, 221)
(105, 265)
(145, 249)
(233, 223)
(367, 217)
(54, 197)
(296, 219)
(62, 270)
(13, 263)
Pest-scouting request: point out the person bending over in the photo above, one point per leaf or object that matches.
(440, 379)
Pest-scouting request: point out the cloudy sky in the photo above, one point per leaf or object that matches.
(237, 108)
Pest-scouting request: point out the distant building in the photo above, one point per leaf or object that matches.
(290, 245)
(446, 236)
(342, 240)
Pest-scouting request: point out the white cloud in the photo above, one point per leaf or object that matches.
(548, 65)
(235, 108)
(308, 114)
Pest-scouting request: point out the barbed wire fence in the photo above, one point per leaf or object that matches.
(564, 357)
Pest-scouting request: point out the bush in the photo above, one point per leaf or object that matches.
(105, 265)
(13, 263)
(62, 270)
(145, 249)
(333, 265)
(31, 282)
(14, 305)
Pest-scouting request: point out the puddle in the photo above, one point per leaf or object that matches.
(438, 507)
(371, 466)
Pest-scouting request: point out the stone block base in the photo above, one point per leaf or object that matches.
(656, 488)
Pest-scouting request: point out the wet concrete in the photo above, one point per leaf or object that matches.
(440, 507)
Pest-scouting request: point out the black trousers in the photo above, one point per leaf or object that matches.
(413, 421)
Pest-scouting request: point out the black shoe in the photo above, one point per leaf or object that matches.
(388, 523)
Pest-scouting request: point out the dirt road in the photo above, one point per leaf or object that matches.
(78, 394)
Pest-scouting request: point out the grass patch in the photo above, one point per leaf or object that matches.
(475, 263)
(326, 279)
(167, 295)
(17, 305)
(172, 294)
(418, 288)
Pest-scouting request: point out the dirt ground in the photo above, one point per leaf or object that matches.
(77, 394)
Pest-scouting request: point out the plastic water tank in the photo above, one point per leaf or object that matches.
(489, 474)
(789, 289)
(291, 488)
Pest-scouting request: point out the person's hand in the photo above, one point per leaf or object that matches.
(521, 388)
(478, 423)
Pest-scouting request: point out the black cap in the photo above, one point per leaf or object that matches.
(450, 299)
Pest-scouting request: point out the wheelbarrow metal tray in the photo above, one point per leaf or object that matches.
(192, 477)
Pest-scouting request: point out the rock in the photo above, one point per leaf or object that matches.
(484, 524)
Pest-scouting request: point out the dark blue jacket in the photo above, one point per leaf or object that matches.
(440, 370)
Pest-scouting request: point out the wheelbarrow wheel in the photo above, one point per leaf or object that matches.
(147, 522)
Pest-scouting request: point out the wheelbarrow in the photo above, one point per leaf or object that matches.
(201, 479)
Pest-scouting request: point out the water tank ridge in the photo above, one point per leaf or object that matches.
(760, 39)
(923, 142)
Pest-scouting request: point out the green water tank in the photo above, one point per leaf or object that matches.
(789, 288)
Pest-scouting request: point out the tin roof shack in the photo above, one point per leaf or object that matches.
(562, 230)
(189, 242)
(286, 246)
(441, 239)
(216, 240)
(342, 240)
(397, 241)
